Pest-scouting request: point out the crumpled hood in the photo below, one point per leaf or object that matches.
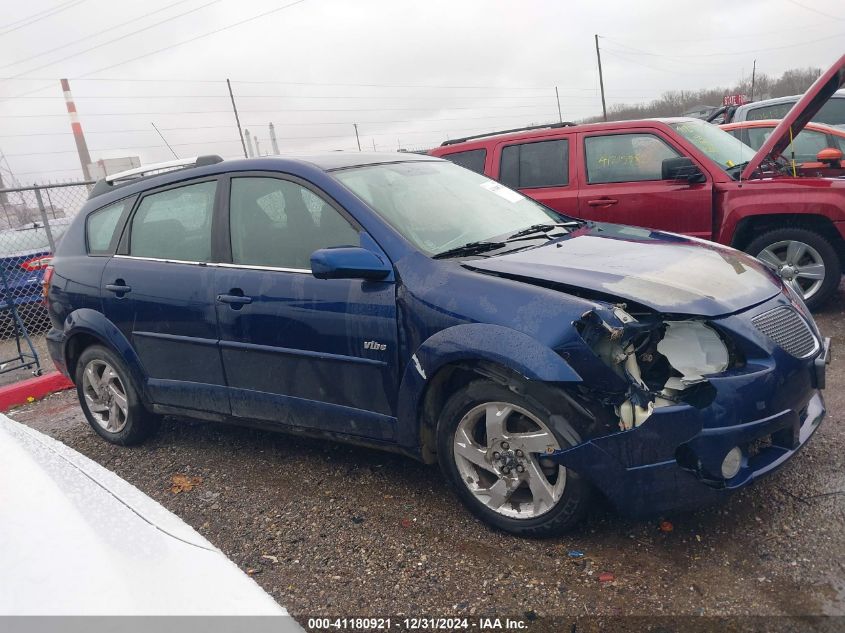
(666, 272)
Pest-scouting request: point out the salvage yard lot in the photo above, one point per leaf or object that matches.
(330, 529)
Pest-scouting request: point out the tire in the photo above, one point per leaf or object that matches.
(773, 248)
(544, 514)
(109, 399)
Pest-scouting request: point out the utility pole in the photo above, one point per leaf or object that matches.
(753, 77)
(248, 149)
(273, 140)
(76, 127)
(374, 144)
(237, 118)
(355, 125)
(559, 115)
(601, 80)
(175, 155)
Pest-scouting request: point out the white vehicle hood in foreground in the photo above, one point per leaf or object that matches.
(76, 539)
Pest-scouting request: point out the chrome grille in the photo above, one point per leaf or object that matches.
(789, 330)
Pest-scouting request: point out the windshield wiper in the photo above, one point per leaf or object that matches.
(470, 248)
(540, 228)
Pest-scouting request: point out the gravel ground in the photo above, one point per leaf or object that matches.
(330, 529)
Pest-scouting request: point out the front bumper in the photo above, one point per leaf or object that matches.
(672, 461)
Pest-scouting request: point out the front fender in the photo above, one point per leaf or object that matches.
(93, 323)
(473, 342)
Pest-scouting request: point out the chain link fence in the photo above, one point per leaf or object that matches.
(32, 222)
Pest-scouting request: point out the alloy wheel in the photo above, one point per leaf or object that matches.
(500, 451)
(105, 396)
(797, 263)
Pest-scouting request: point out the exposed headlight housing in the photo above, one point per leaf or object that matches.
(694, 349)
(732, 463)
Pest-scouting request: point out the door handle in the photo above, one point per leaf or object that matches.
(118, 287)
(234, 300)
(602, 202)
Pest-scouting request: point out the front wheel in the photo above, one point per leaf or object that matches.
(804, 259)
(493, 447)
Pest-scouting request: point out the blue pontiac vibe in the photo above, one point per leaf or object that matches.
(406, 303)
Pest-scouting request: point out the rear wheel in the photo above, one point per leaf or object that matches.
(804, 259)
(493, 446)
(109, 399)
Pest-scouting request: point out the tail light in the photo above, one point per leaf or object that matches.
(37, 263)
(45, 283)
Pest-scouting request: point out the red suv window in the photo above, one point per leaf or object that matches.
(540, 164)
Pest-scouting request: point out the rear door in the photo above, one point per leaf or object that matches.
(541, 169)
(318, 353)
(622, 183)
(158, 290)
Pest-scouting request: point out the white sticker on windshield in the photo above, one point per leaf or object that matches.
(500, 190)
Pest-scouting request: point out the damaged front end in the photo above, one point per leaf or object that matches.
(662, 363)
(678, 408)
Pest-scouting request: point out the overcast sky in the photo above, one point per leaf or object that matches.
(408, 72)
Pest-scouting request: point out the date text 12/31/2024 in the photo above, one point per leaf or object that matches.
(417, 624)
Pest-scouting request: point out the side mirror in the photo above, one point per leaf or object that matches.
(830, 156)
(348, 262)
(681, 168)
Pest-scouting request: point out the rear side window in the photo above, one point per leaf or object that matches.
(100, 227)
(541, 164)
(776, 111)
(278, 224)
(174, 224)
(472, 159)
(625, 158)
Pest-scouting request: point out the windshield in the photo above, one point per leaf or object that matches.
(722, 148)
(438, 205)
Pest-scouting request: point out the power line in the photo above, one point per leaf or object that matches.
(814, 10)
(746, 52)
(88, 37)
(41, 15)
(171, 46)
(120, 38)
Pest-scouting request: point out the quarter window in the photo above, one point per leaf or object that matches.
(472, 159)
(541, 164)
(278, 223)
(625, 157)
(101, 225)
(175, 224)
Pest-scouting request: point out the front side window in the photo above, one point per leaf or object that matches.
(832, 112)
(540, 164)
(101, 225)
(278, 224)
(174, 224)
(626, 157)
(472, 159)
(806, 146)
(438, 206)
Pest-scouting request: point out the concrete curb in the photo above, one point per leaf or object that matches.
(35, 388)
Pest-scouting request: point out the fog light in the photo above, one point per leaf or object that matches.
(732, 463)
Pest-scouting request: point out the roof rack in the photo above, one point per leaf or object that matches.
(547, 126)
(124, 177)
(196, 161)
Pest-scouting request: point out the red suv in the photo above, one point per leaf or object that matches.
(684, 176)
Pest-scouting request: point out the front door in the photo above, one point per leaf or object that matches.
(158, 290)
(296, 349)
(622, 183)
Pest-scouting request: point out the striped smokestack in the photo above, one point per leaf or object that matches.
(76, 126)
